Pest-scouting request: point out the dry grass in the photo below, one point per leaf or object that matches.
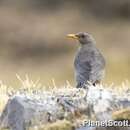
(123, 114)
(3, 95)
(59, 125)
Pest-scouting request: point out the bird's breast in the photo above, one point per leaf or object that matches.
(88, 58)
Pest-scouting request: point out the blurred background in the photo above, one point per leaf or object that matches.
(33, 38)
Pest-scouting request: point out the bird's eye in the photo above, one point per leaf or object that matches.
(82, 36)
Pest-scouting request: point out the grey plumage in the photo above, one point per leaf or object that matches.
(89, 63)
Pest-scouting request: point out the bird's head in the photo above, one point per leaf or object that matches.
(82, 37)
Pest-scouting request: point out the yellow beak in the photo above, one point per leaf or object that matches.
(73, 36)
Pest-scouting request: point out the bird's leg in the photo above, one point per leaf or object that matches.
(96, 82)
(81, 85)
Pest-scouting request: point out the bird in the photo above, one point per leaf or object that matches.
(89, 63)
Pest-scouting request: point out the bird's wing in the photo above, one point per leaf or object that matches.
(82, 69)
(89, 66)
(98, 67)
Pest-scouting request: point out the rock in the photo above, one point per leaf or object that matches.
(102, 102)
(21, 112)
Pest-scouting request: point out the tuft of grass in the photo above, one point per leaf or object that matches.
(59, 125)
(3, 95)
(123, 114)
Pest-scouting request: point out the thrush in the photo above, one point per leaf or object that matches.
(89, 63)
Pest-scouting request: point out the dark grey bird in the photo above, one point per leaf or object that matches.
(89, 63)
